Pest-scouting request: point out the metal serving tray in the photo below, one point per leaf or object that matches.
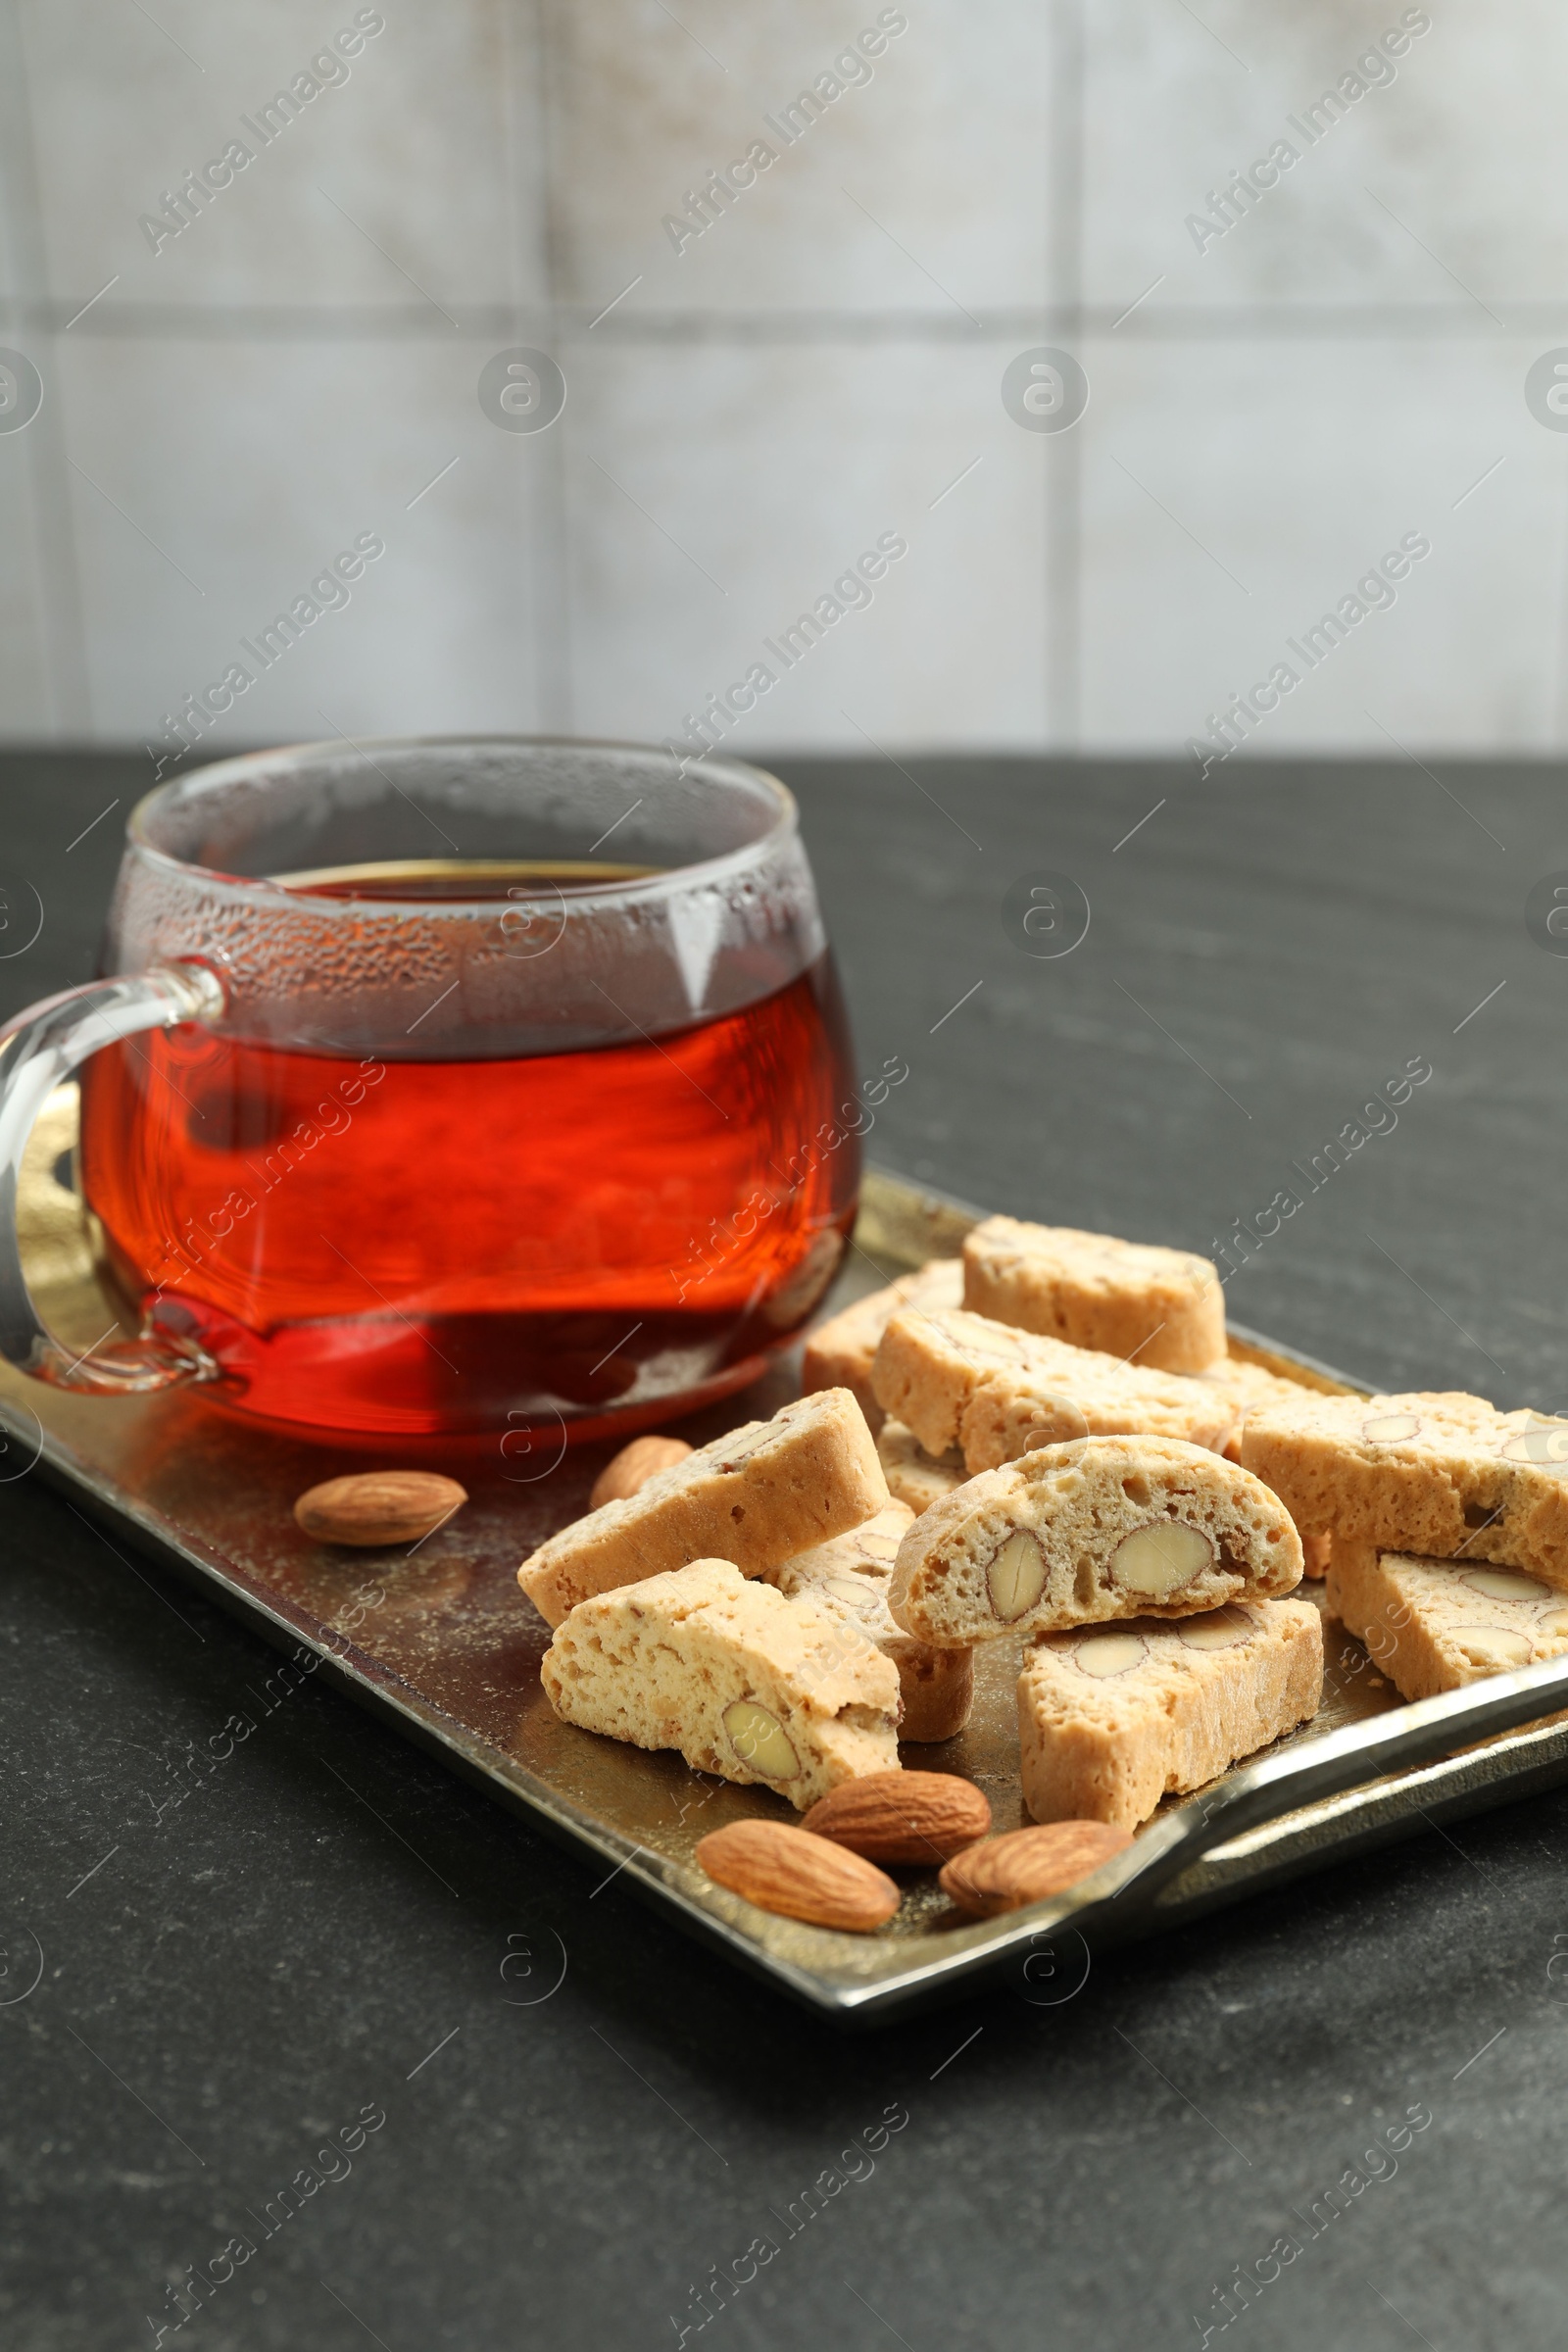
(440, 1640)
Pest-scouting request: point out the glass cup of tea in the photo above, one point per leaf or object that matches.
(447, 1086)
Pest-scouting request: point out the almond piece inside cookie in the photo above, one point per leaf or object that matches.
(1101, 1529)
(1161, 1558)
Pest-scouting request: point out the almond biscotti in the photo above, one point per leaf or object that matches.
(1434, 1625)
(1163, 1308)
(914, 1476)
(839, 1354)
(1250, 1388)
(957, 1378)
(850, 1577)
(746, 1684)
(757, 1496)
(1110, 1722)
(1442, 1475)
(1100, 1529)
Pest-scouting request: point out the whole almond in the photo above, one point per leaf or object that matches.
(633, 1466)
(379, 1506)
(788, 1870)
(903, 1816)
(1025, 1866)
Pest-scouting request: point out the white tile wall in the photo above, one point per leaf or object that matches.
(921, 187)
(413, 145)
(817, 368)
(1177, 105)
(1282, 469)
(238, 469)
(24, 659)
(808, 454)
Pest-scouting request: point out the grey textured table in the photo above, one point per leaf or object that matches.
(322, 1930)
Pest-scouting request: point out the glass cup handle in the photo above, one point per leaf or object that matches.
(37, 1051)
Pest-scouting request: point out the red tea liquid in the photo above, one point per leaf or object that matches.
(437, 1245)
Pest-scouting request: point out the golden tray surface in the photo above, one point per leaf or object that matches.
(444, 1643)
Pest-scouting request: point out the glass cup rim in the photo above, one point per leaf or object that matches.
(784, 825)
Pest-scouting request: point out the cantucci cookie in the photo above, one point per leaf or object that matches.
(755, 1497)
(1435, 1474)
(914, 1476)
(839, 1354)
(957, 1378)
(1163, 1308)
(1109, 1723)
(1078, 1533)
(850, 1577)
(1249, 1387)
(746, 1684)
(1434, 1625)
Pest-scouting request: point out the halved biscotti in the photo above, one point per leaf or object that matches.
(1165, 1309)
(1434, 1625)
(755, 1497)
(746, 1684)
(957, 1378)
(868, 1550)
(1109, 1723)
(1250, 1388)
(914, 1476)
(1080, 1533)
(1440, 1475)
(839, 1354)
(928, 1367)
(850, 1577)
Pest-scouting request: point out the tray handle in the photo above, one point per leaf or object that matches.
(1409, 1735)
(37, 1052)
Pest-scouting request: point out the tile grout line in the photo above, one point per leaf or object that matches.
(49, 494)
(552, 541)
(484, 321)
(1061, 483)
